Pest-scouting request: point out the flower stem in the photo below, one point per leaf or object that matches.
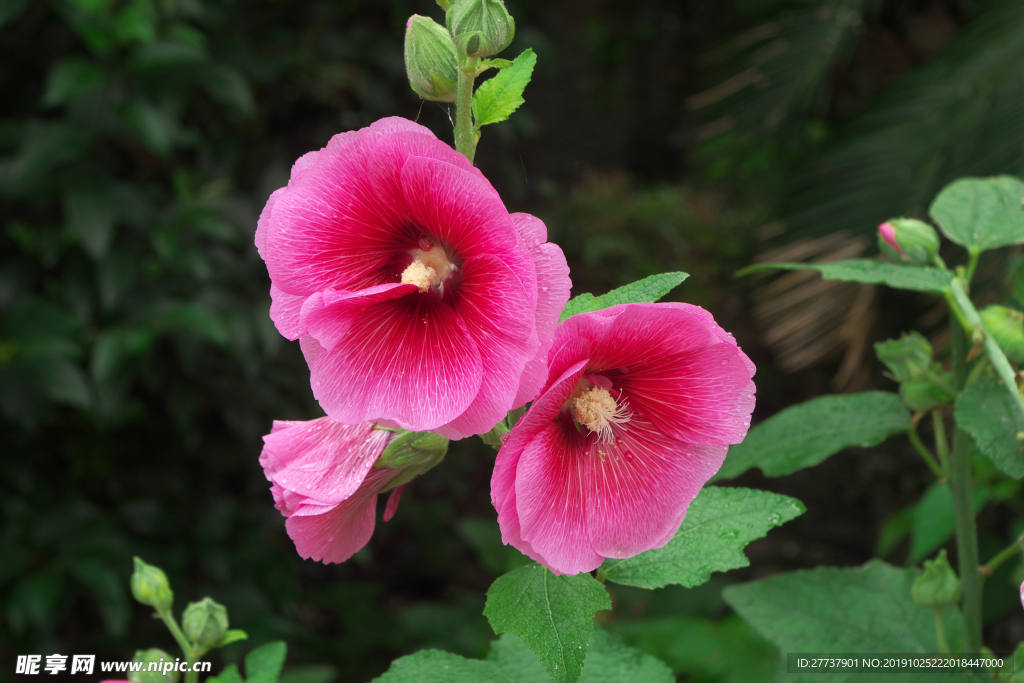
(940, 631)
(465, 136)
(1005, 554)
(966, 538)
(972, 263)
(925, 453)
(941, 444)
(167, 617)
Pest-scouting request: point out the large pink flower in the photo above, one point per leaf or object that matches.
(419, 300)
(640, 405)
(325, 483)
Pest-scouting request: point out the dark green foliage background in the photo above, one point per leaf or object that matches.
(139, 140)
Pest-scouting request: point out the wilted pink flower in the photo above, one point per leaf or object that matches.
(418, 299)
(640, 405)
(325, 483)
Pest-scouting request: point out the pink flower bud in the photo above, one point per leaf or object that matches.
(888, 233)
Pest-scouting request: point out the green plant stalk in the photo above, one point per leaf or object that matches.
(966, 539)
(465, 136)
(1004, 554)
(972, 263)
(940, 631)
(941, 445)
(167, 617)
(925, 453)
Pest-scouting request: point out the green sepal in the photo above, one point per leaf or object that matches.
(937, 585)
(907, 357)
(233, 635)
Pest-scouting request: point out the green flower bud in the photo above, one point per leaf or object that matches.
(205, 623)
(925, 393)
(150, 586)
(907, 357)
(1007, 327)
(162, 667)
(937, 585)
(909, 240)
(417, 450)
(480, 28)
(431, 60)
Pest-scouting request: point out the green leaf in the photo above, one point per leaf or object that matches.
(916, 278)
(91, 215)
(554, 615)
(229, 87)
(497, 98)
(485, 537)
(435, 666)
(863, 610)
(263, 665)
(69, 79)
(934, 521)
(233, 635)
(228, 675)
(986, 411)
(153, 125)
(728, 650)
(718, 525)
(607, 662)
(805, 434)
(648, 290)
(981, 213)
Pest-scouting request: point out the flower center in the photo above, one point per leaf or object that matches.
(597, 410)
(430, 267)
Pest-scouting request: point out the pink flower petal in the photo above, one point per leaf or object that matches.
(285, 311)
(392, 507)
(639, 486)
(410, 360)
(322, 459)
(337, 535)
(328, 315)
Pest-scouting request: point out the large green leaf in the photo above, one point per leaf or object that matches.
(642, 291)
(263, 665)
(869, 271)
(986, 411)
(554, 615)
(497, 98)
(718, 525)
(981, 213)
(805, 434)
(435, 666)
(864, 610)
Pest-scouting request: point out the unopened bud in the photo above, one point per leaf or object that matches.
(909, 240)
(1007, 327)
(927, 391)
(480, 28)
(419, 450)
(150, 586)
(162, 671)
(431, 60)
(907, 357)
(937, 585)
(205, 622)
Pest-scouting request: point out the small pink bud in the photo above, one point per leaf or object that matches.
(888, 233)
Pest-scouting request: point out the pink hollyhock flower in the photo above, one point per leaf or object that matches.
(641, 403)
(419, 300)
(325, 482)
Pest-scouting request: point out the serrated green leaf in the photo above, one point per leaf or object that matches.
(554, 615)
(805, 434)
(868, 271)
(981, 213)
(642, 291)
(313, 673)
(718, 525)
(987, 412)
(263, 665)
(228, 675)
(611, 662)
(863, 610)
(436, 666)
(497, 98)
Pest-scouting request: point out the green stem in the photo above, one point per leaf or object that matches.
(941, 445)
(940, 631)
(1005, 554)
(925, 453)
(966, 539)
(941, 383)
(465, 136)
(186, 647)
(972, 263)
